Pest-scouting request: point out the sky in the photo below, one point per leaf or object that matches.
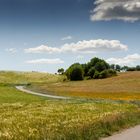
(44, 35)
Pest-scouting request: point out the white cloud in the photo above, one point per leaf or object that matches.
(126, 10)
(91, 46)
(45, 61)
(128, 60)
(42, 49)
(11, 50)
(66, 38)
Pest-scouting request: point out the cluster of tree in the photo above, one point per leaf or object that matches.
(96, 69)
(124, 68)
(61, 71)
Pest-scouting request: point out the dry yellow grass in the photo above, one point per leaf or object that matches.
(125, 86)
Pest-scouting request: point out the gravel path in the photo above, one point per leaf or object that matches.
(22, 88)
(130, 134)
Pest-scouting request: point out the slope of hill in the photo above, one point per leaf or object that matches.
(125, 86)
(12, 77)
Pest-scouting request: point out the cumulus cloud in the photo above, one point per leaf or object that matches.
(11, 50)
(66, 38)
(126, 10)
(91, 46)
(94, 46)
(42, 48)
(45, 61)
(128, 60)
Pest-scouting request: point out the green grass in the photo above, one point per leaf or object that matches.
(8, 94)
(24, 116)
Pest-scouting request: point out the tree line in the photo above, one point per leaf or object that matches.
(96, 68)
(125, 68)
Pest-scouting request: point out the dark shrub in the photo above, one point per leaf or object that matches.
(118, 67)
(112, 72)
(75, 72)
(100, 66)
(94, 61)
(103, 74)
(112, 66)
(61, 71)
(131, 69)
(91, 72)
(124, 68)
(107, 73)
(85, 68)
(138, 68)
(96, 75)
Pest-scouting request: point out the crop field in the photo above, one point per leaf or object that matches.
(24, 116)
(125, 86)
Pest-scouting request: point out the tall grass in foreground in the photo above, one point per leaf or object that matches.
(28, 117)
(58, 121)
(24, 116)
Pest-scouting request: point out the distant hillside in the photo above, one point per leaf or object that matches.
(11, 77)
(125, 86)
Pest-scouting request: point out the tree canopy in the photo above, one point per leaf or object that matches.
(95, 68)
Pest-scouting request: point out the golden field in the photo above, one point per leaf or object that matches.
(125, 86)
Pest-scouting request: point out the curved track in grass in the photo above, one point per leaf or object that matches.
(23, 89)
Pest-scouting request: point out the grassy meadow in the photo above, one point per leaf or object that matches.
(125, 86)
(28, 117)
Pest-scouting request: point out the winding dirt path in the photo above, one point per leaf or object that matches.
(22, 88)
(130, 134)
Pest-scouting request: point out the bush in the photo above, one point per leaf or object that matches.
(138, 68)
(103, 74)
(75, 72)
(107, 73)
(61, 71)
(118, 67)
(91, 72)
(94, 61)
(96, 75)
(100, 66)
(131, 69)
(112, 72)
(85, 68)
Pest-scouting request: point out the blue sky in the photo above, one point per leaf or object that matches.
(44, 35)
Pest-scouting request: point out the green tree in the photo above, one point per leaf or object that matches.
(104, 74)
(118, 67)
(125, 68)
(85, 68)
(91, 72)
(96, 75)
(100, 66)
(75, 72)
(61, 71)
(138, 68)
(112, 66)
